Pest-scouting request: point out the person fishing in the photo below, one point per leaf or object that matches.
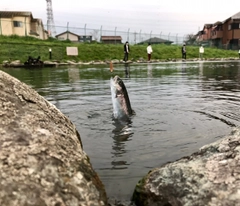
(149, 51)
(126, 51)
(184, 51)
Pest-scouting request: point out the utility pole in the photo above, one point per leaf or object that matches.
(101, 34)
(115, 34)
(67, 32)
(50, 21)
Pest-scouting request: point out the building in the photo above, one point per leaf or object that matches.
(111, 39)
(205, 34)
(21, 23)
(85, 38)
(231, 32)
(223, 34)
(156, 40)
(217, 34)
(67, 35)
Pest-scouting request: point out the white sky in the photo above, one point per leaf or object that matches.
(175, 17)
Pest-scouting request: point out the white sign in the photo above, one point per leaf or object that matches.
(72, 51)
(201, 50)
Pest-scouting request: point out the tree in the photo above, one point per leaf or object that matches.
(191, 38)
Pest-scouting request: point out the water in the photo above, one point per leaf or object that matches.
(179, 108)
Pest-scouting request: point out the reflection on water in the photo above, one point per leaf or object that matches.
(127, 70)
(179, 108)
(73, 75)
(149, 70)
(184, 66)
(122, 129)
(200, 68)
(120, 138)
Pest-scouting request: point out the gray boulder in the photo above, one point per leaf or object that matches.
(210, 176)
(42, 161)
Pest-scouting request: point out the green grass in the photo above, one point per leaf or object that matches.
(19, 48)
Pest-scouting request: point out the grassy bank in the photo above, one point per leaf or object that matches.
(19, 48)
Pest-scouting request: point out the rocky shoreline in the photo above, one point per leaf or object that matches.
(56, 63)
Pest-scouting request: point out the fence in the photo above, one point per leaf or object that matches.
(135, 37)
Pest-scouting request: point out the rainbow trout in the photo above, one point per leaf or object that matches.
(121, 104)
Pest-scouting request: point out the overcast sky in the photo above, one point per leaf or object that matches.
(175, 17)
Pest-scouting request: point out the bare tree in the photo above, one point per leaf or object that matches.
(191, 38)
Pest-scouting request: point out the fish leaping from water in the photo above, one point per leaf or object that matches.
(121, 103)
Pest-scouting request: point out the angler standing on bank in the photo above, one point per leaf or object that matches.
(149, 51)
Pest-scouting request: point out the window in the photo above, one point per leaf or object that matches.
(235, 26)
(229, 26)
(17, 24)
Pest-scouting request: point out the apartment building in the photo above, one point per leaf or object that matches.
(223, 34)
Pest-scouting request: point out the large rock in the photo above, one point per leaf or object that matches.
(41, 157)
(209, 177)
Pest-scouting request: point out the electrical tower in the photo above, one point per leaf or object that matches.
(50, 21)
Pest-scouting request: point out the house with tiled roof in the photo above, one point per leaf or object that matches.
(224, 34)
(231, 31)
(21, 23)
(67, 35)
(205, 33)
(217, 33)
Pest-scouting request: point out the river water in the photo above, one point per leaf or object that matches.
(179, 108)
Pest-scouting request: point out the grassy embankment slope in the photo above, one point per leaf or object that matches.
(19, 48)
